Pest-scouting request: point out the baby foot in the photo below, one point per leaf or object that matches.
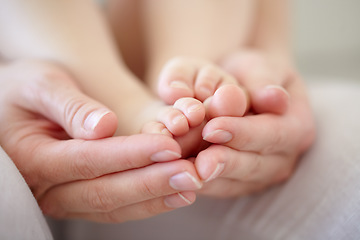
(183, 121)
(188, 77)
(188, 83)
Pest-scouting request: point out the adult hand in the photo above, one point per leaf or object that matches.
(263, 148)
(103, 179)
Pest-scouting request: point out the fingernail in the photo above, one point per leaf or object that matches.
(177, 200)
(218, 136)
(94, 118)
(184, 181)
(218, 170)
(179, 84)
(164, 156)
(278, 87)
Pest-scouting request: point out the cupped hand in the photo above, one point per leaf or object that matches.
(264, 146)
(103, 179)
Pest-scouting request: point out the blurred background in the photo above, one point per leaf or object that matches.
(326, 35)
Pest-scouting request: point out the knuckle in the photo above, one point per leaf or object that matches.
(277, 140)
(84, 167)
(242, 140)
(145, 189)
(98, 198)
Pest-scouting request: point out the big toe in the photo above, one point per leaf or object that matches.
(229, 100)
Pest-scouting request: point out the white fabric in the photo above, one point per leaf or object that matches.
(20, 216)
(321, 200)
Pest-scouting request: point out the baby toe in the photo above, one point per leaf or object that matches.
(207, 80)
(176, 80)
(174, 120)
(154, 127)
(193, 109)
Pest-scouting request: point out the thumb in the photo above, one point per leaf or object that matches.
(55, 96)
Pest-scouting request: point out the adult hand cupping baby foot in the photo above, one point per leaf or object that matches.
(186, 80)
(245, 153)
(103, 179)
(259, 150)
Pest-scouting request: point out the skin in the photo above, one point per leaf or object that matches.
(67, 175)
(251, 43)
(263, 149)
(244, 158)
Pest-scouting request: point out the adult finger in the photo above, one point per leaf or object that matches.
(110, 192)
(140, 210)
(263, 133)
(266, 133)
(78, 159)
(248, 167)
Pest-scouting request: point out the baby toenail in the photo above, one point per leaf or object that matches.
(178, 119)
(194, 108)
(205, 91)
(179, 84)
